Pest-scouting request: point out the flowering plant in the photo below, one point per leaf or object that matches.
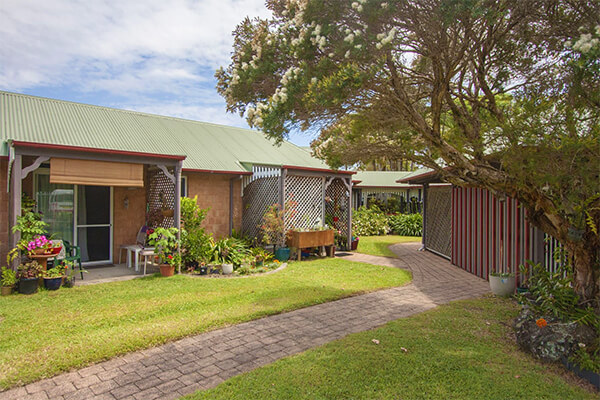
(39, 242)
(165, 244)
(173, 259)
(541, 322)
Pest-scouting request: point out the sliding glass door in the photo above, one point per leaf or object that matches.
(80, 214)
(94, 223)
(56, 203)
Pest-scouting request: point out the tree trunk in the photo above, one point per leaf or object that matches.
(586, 272)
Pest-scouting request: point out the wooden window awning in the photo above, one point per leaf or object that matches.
(96, 173)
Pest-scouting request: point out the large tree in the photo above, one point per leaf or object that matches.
(503, 95)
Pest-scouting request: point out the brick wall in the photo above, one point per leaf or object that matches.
(127, 221)
(213, 192)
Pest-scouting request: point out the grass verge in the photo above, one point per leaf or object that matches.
(50, 332)
(462, 350)
(379, 245)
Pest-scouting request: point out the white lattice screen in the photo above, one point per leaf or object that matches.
(337, 204)
(161, 196)
(303, 201)
(258, 195)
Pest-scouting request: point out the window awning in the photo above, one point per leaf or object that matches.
(96, 173)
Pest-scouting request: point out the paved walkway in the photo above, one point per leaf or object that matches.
(203, 361)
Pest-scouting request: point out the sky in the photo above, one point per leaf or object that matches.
(152, 56)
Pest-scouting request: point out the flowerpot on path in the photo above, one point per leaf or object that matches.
(167, 270)
(502, 285)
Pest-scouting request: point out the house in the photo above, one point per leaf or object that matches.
(383, 187)
(98, 174)
(478, 231)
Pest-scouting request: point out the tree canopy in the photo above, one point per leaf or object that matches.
(499, 94)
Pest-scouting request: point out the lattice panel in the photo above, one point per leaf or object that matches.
(336, 205)
(438, 221)
(258, 195)
(161, 199)
(303, 201)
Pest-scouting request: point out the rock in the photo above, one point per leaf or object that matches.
(552, 342)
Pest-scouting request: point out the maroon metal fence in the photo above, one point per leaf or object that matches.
(490, 234)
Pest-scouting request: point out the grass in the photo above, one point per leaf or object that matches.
(379, 245)
(50, 332)
(458, 351)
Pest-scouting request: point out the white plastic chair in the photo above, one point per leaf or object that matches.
(137, 250)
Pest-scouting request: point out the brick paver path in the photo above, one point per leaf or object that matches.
(203, 361)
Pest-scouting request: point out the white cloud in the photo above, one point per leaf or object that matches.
(117, 46)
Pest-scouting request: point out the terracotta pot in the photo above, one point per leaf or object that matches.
(38, 252)
(6, 290)
(167, 270)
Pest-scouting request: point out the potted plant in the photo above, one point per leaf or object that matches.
(40, 245)
(29, 274)
(166, 245)
(69, 273)
(166, 211)
(273, 232)
(53, 277)
(203, 269)
(354, 243)
(260, 256)
(8, 281)
(502, 283)
(229, 253)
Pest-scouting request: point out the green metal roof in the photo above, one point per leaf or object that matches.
(207, 146)
(382, 178)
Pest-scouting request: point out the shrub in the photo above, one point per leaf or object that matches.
(406, 224)
(369, 222)
(195, 242)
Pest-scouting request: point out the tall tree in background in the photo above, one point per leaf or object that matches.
(503, 95)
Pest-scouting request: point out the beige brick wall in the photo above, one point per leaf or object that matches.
(127, 221)
(213, 192)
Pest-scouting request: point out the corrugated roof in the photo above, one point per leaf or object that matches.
(207, 146)
(381, 178)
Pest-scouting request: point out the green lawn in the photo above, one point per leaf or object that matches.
(458, 351)
(378, 245)
(44, 334)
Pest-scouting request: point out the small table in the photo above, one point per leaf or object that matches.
(42, 259)
(138, 251)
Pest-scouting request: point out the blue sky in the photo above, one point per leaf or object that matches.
(154, 56)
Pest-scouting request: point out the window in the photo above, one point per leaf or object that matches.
(184, 186)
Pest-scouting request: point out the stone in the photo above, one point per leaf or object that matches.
(552, 342)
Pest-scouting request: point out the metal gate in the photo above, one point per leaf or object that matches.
(438, 220)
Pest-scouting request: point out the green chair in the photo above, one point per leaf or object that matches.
(73, 254)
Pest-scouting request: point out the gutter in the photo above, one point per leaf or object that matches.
(212, 171)
(94, 150)
(332, 171)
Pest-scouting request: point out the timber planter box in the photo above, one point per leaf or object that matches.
(302, 240)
